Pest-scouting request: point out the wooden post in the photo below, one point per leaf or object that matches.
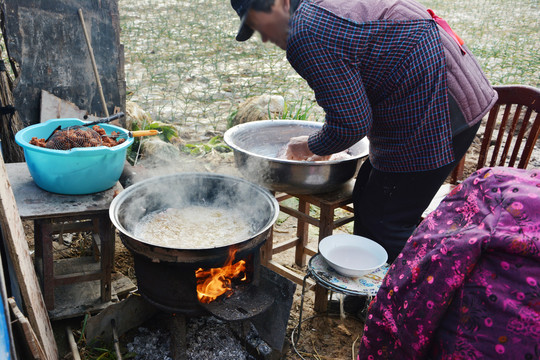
(302, 232)
(94, 67)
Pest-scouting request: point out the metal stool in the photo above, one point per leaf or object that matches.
(325, 276)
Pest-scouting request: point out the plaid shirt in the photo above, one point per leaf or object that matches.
(383, 79)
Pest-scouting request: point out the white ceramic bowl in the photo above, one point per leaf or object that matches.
(352, 255)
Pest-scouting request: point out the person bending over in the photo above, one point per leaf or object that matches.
(390, 70)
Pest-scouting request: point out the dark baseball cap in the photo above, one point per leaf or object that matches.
(242, 7)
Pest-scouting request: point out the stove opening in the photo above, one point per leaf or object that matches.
(213, 283)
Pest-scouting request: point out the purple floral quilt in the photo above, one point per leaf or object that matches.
(467, 283)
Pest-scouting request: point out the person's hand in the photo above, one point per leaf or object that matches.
(297, 149)
(319, 157)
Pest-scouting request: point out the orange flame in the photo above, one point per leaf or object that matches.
(214, 282)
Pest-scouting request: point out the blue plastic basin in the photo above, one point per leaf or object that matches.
(77, 171)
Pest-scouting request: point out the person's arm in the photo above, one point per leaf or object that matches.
(339, 91)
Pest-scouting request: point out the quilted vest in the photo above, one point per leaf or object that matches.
(467, 84)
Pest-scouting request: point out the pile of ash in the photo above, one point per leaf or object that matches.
(206, 338)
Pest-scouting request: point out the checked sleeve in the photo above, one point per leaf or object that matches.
(338, 90)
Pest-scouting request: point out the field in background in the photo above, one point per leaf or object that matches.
(184, 67)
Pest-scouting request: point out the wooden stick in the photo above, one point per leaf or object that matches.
(91, 51)
(116, 341)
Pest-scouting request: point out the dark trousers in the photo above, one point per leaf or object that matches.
(389, 206)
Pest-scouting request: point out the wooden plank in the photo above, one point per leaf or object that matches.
(309, 252)
(299, 215)
(127, 314)
(77, 299)
(71, 266)
(71, 227)
(286, 245)
(20, 254)
(33, 346)
(289, 274)
(342, 221)
(52, 107)
(122, 285)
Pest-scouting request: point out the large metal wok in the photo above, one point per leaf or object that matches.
(256, 145)
(260, 209)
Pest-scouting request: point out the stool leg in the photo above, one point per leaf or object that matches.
(46, 249)
(326, 226)
(267, 247)
(106, 233)
(38, 250)
(321, 299)
(96, 244)
(302, 232)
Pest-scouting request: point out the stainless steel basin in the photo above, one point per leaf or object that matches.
(256, 145)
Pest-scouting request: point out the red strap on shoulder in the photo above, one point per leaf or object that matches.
(442, 23)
